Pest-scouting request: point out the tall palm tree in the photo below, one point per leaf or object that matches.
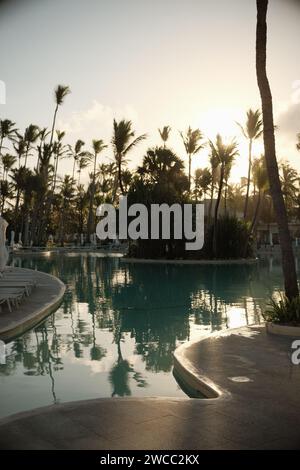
(43, 135)
(31, 135)
(60, 93)
(82, 163)
(19, 177)
(20, 148)
(66, 195)
(191, 141)
(164, 133)
(252, 131)
(214, 165)
(202, 181)
(98, 147)
(288, 260)
(59, 151)
(289, 179)
(123, 141)
(76, 153)
(7, 131)
(8, 162)
(223, 154)
(260, 178)
(5, 193)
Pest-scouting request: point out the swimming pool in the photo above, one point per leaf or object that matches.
(119, 324)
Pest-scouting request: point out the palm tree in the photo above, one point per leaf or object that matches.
(67, 195)
(289, 179)
(214, 165)
(123, 141)
(31, 135)
(59, 150)
(76, 153)
(60, 93)
(288, 260)
(8, 162)
(192, 146)
(164, 133)
(20, 148)
(202, 181)
(43, 135)
(19, 177)
(223, 154)
(98, 147)
(5, 192)
(260, 178)
(252, 131)
(82, 163)
(7, 131)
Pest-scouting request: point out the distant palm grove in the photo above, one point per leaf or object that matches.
(43, 207)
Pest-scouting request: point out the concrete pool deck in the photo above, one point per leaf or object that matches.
(44, 299)
(258, 405)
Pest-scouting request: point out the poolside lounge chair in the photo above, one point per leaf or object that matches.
(11, 296)
(15, 283)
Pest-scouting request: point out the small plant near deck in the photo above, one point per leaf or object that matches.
(283, 310)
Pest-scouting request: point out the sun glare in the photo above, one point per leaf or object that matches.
(224, 121)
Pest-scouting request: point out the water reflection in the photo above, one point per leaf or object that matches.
(119, 324)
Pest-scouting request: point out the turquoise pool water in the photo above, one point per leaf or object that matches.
(119, 324)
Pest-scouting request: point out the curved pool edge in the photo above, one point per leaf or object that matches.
(35, 308)
(191, 376)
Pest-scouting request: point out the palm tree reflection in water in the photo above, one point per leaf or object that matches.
(120, 324)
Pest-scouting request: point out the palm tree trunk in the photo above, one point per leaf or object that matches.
(190, 165)
(255, 218)
(92, 196)
(288, 261)
(216, 212)
(73, 172)
(120, 174)
(248, 179)
(53, 126)
(211, 201)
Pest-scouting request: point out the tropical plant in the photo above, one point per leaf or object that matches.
(191, 140)
(289, 179)
(76, 153)
(164, 134)
(260, 179)
(252, 131)
(284, 310)
(60, 93)
(202, 182)
(223, 154)
(8, 162)
(123, 141)
(31, 135)
(98, 147)
(288, 260)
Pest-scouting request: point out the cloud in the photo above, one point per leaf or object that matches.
(95, 122)
(289, 121)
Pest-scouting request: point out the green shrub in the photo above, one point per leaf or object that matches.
(233, 239)
(283, 310)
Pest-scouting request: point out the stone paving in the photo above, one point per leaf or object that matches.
(258, 406)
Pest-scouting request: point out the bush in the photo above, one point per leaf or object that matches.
(233, 239)
(283, 311)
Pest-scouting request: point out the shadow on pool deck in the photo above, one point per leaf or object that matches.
(260, 409)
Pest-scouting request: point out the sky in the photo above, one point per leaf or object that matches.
(158, 62)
